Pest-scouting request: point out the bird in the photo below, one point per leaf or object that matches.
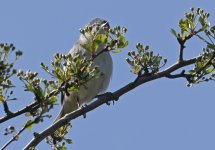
(96, 86)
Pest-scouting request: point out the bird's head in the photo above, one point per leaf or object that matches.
(97, 26)
(98, 22)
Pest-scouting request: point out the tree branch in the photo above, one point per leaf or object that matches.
(105, 98)
(182, 45)
(30, 108)
(181, 51)
(15, 137)
(6, 108)
(180, 75)
(33, 106)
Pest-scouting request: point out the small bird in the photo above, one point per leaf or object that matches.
(97, 85)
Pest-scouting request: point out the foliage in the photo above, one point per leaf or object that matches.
(7, 71)
(113, 38)
(69, 72)
(196, 24)
(144, 62)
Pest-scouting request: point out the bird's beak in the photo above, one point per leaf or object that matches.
(104, 24)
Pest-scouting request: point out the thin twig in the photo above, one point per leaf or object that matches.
(30, 108)
(180, 75)
(206, 64)
(33, 106)
(6, 108)
(182, 45)
(15, 137)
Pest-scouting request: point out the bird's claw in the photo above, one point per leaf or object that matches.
(83, 107)
(109, 94)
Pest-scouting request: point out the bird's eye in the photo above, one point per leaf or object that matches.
(103, 22)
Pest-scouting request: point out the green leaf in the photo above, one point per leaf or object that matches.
(29, 87)
(68, 141)
(199, 64)
(44, 67)
(183, 25)
(126, 43)
(202, 21)
(100, 38)
(28, 124)
(112, 43)
(209, 70)
(1, 98)
(86, 46)
(192, 71)
(40, 92)
(212, 29)
(116, 51)
(121, 42)
(211, 46)
(72, 88)
(61, 148)
(122, 39)
(136, 69)
(174, 33)
(184, 34)
(52, 100)
(27, 114)
(131, 62)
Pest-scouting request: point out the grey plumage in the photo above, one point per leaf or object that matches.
(95, 86)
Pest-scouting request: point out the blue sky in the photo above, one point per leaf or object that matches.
(163, 114)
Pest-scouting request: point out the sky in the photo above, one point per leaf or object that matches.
(164, 114)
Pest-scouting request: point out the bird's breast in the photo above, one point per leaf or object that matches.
(99, 84)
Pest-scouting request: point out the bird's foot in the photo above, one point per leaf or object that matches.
(83, 107)
(109, 95)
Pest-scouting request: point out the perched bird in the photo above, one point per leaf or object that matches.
(97, 85)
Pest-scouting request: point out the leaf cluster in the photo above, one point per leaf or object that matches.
(113, 39)
(7, 70)
(58, 140)
(196, 24)
(144, 62)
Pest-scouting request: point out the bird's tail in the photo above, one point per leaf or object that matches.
(60, 115)
(70, 103)
(60, 133)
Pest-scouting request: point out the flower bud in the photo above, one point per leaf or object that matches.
(124, 29)
(81, 31)
(192, 9)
